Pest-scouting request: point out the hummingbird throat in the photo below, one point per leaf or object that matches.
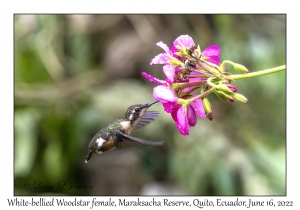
(126, 127)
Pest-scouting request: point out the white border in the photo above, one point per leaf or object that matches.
(8, 8)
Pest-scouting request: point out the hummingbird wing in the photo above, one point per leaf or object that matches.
(125, 140)
(148, 117)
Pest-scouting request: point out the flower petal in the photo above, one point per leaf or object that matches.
(182, 121)
(169, 71)
(192, 118)
(153, 79)
(177, 69)
(171, 107)
(184, 41)
(213, 52)
(164, 47)
(198, 107)
(162, 58)
(214, 60)
(174, 116)
(164, 94)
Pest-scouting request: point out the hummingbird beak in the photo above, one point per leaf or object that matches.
(150, 104)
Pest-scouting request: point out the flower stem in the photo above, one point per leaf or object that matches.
(184, 85)
(257, 73)
(201, 95)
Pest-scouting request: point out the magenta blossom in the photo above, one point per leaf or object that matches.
(187, 69)
(183, 115)
(185, 41)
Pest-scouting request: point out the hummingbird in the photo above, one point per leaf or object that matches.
(116, 134)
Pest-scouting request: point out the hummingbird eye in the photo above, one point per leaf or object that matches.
(137, 109)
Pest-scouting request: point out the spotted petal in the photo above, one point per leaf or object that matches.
(164, 94)
(169, 71)
(171, 107)
(162, 58)
(183, 41)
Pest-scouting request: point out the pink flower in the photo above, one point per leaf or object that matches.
(184, 41)
(183, 115)
(174, 97)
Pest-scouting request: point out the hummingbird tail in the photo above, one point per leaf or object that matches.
(130, 141)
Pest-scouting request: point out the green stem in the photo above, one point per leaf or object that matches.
(201, 95)
(257, 73)
(192, 90)
(184, 85)
(225, 62)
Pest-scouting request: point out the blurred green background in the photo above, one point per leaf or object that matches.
(74, 74)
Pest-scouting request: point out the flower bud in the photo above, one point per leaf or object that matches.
(223, 87)
(224, 96)
(207, 108)
(239, 97)
(240, 68)
(234, 89)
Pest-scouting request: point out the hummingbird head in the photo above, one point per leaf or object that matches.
(135, 112)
